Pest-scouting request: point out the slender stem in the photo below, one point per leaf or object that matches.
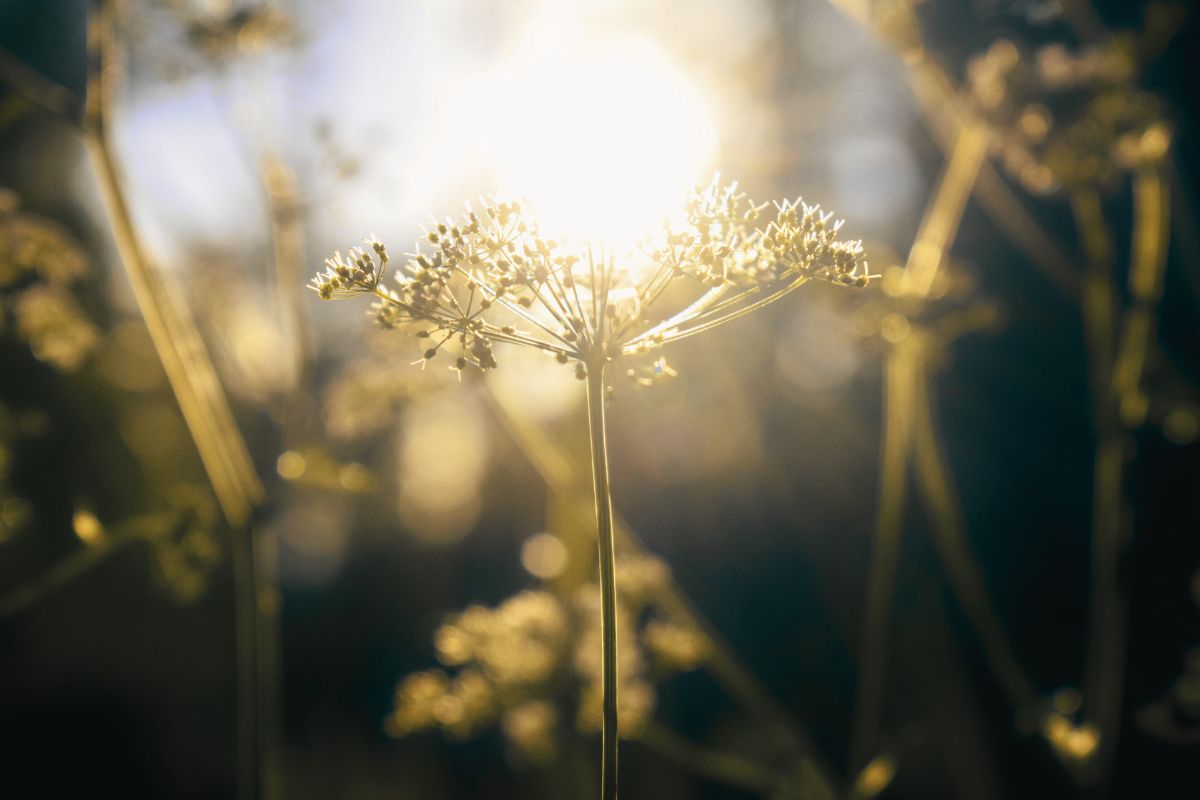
(1151, 231)
(944, 215)
(64, 572)
(288, 245)
(731, 769)
(902, 366)
(608, 575)
(246, 633)
(1104, 670)
(193, 381)
(1104, 674)
(179, 347)
(559, 470)
(934, 483)
(1099, 302)
(36, 88)
(904, 369)
(288, 251)
(946, 115)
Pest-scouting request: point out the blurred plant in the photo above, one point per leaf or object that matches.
(1175, 717)
(363, 398)
(179, 39)
(1074, 121)
(1063, 118)
(922, 309)
(360, 407)
(195, 385)
(534, 659)
(1108, 128)
(182, 540)
(531, 663)
(39, 263)
(593, 310)
(181, 350)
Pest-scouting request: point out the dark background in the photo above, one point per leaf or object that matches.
(110, 688)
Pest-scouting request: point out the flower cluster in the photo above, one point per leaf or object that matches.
(186, 549)
(492, 278)
(1067, 118)
(39, 263)
(56, 328)
(178, 39)
(526, 662)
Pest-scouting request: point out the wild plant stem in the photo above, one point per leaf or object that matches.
(1148, 261)
(559, 470)
(1105, 666)
(608, 577)
(904, 368)
(902, 364)
(63, 573)
(946, 115)
(936, 487)
(731, 769)
(194, 382)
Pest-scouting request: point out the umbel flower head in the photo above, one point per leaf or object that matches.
(492, 278)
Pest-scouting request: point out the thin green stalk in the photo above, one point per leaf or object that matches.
(608, 575)
(1151, 233)
(935, 485)
(944, 214)
(1099, 301)
(64, 572)
(902, 365)
(246, 630)
(35, 87)
(195, 385)
(730, 769)
(288, 244)
(559, 470)
(904, 368)
(1105, 667)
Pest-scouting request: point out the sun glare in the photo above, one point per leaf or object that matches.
(603, 136)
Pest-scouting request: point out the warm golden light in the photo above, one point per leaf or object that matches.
(87, 527)
(603, 135)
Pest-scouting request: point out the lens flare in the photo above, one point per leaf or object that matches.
(603, 136)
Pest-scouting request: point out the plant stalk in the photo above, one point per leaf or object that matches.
(608, 576)
(193, 381)
(65, 571)
(730, 769)
(560, 472)
(931, 472)
(903, 364)
(1105, 666)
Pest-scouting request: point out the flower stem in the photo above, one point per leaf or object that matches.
(67, 570)
(903, 364)
(608, 577)
(193, 381)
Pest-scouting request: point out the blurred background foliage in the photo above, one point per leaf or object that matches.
(411, 523)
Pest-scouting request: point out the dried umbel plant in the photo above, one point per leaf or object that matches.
(532, 659)
(1065, 118)
(492, 278)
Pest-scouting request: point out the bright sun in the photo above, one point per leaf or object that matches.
(603, 136)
